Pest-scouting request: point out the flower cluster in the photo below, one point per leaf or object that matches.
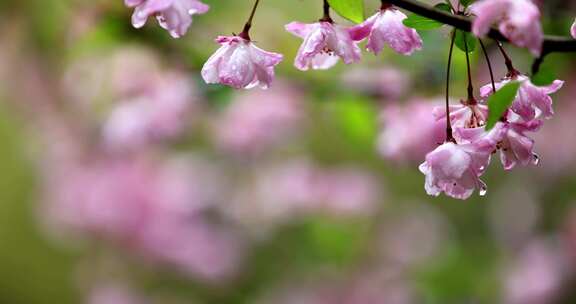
(518, 20)
(325, 42)
(456, 166)
(240, 64)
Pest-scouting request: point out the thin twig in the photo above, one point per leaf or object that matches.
(449, 136)
(468, 70)
(246, 31)
(489, 66)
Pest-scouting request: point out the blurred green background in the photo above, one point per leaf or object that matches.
(471, 264)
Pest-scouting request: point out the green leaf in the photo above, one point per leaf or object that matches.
(500, 101)
(545, 76)
(352, 10)
(418, 22)
(465, 3)
(462, 36)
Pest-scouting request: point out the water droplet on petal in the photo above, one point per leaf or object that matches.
(535, 159)
(483, 191)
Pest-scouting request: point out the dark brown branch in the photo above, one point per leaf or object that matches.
(551, 43)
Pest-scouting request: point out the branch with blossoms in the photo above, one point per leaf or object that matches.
(498, 118)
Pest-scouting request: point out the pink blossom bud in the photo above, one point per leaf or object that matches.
(386, 27)
(173, 15)
(324, 43)
(239, 63)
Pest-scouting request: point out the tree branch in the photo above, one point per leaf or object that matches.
(551, 43)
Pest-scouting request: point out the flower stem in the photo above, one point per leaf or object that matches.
(512, 72)
(489, 65)
(449, 136)
(451, 6)
(471, 99)
(326, 17)
(385, 5)
(246, 31)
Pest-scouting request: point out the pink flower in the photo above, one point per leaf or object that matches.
(240, 64)
(323, 44)
(573, 30)
(383, 82)
(160, 113)
(455, 168)
(463, 116)
(173, 15)
(345, 191)
(560, 154)
(532, 102)
(259, 120)
(516, 147)
(152, 209)
(114, 293)
(386, 27)
(519, 21)
(410, 131)
(536, 274)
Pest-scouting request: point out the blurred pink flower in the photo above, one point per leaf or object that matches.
(386, 83)
(346, 191)
(324, 43)
(129, 99)
(386, 27)
(410, 131)
(278, 193)
(372, 286)
(113, 293)
(559, 154)
(514, 213)
(532, 102)
(257, 120)
(153, 209)
(160, 113)
(535, 275)
(123, 73)
(519, 21)
(173, 15)
(573, 30)
(239, 63)
(413, 235)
